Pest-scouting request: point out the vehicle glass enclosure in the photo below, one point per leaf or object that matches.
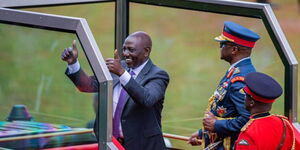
(40, 102)
(34, 77)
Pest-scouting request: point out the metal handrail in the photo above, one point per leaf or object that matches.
(47, 135)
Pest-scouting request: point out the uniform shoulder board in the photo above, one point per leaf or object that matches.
(282, 117)
(238, 78)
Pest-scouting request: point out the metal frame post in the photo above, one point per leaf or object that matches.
(121, 23)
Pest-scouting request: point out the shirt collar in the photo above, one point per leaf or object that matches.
(238, 62)
(138, 69)
(260, 115)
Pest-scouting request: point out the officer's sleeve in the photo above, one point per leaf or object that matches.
(200, 133)
(228, 126)
(245, 142)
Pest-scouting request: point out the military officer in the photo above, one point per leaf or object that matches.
(226, 114)
(264, 130)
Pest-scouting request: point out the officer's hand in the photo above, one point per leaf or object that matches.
(195, 139)
(70, 54)
(209, 121)
(114, 64)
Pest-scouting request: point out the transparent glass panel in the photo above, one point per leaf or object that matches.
(32, 76)
(100, 17)
(186, 38)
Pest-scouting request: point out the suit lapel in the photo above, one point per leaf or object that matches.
(140, 78)
(144, 71)
(116, 81)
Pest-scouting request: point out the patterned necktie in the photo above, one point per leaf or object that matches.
(118, 111)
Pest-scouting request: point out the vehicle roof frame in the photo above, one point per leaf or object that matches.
(45, 3)
(237, 8)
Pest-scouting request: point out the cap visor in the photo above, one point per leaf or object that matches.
(220, 39)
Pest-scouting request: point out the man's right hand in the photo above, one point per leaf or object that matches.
(195, 139)
(70, 54)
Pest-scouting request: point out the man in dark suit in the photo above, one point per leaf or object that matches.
(138, 92)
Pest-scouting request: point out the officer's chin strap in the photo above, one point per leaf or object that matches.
(212, 145)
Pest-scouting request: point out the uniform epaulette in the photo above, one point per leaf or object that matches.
(238, 78)
(247, 125)
(283, 117)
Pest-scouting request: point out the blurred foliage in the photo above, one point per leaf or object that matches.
(34, 76)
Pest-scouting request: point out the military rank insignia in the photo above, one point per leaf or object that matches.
(221, 111)
(238, 78)
(243, 142)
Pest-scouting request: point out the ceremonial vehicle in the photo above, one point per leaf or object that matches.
(41, 109)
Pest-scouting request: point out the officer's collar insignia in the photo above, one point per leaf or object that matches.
(243, 142)
(236, 70)
(221, 111)
(230, 73)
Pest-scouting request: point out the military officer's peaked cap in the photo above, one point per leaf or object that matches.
(262, 87)
(233, 32)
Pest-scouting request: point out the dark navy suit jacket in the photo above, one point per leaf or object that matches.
(141, 116)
